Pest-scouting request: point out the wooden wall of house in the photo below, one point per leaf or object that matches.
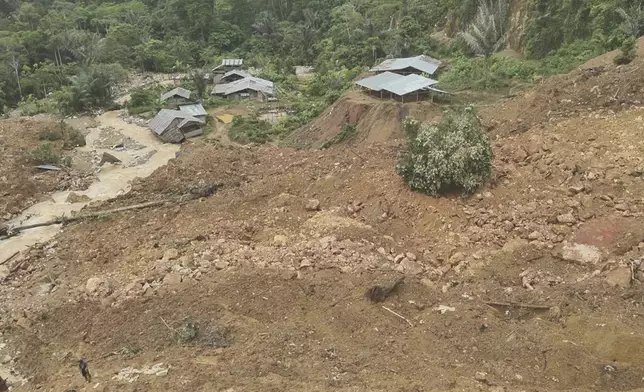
(173, 134)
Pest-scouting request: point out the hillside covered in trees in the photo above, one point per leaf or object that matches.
(78, 49)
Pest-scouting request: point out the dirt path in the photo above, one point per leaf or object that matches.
(113, 180)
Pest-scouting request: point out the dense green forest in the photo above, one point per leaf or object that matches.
(78, 49)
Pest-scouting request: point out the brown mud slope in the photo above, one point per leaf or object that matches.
(376, 121)
(20, 183)
(260, 287)
(589, 91)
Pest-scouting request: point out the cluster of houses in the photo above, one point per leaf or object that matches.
(403, 79)
(188, 117)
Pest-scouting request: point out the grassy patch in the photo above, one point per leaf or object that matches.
(348, 132)
(249, 130)
(45, 154)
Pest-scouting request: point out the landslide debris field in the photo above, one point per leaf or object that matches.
(535, 284)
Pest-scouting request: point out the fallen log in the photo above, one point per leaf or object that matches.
(12, 231)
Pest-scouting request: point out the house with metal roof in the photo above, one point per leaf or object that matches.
(233, 76)
(176, 95)
(249, 87)
(195, 110)
(227, 65)
(404, 87)
(409, 65)
(174, 126)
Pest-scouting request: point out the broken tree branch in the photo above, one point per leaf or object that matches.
(398, 315)
(11, 231)
(10, 258)
(518, 305)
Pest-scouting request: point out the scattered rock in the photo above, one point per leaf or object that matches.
(576, 189)
(313, 205)
(172, 279)
(170, 254)
(305, 263)
(221, 264)
(280, 240)
(430, 284)
(411, 267)
(76, 198)
(6, 359)
(619, 277)
(621, 207)
(4, 272)
(133, 287)
(535, 235)
(444, 309)
(514, 245)
(411, 256)
(567, 218)
(98, 286)
(581, 253)
(45, 288)
(131, 374)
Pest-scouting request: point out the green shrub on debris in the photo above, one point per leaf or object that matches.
(452, 156)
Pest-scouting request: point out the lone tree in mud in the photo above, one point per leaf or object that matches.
(452, 156)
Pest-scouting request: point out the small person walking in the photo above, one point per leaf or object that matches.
(85, 370)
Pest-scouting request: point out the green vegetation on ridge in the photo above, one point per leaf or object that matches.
(73, 53)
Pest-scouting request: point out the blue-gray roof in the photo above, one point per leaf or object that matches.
(232, 62)
(396, 84)
(422, 63)
(195, 109)
(180, 92)
(165, 117)
(376, 82)
(250, 83)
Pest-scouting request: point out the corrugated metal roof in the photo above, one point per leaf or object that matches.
(238, 72)
(165, 117)
(249, 83)
(195, 109)
(408, 84)
(374, 83)
(232, 62)
(182, 92)
(396, 84)
(422, 63)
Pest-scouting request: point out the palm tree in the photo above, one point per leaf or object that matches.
(488, 32)
(633, 20)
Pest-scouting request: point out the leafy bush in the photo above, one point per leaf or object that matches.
(492, 73)
(249, 130)
(51, 135)
(73, 138)
(45, 155)
(629, 52)
(187, 333)
(91, 88)
(454, 155)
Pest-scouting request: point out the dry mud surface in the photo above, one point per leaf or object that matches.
(535, 284)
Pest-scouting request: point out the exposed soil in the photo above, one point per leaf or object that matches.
(21, 184)
(535, 284)
(601, 90)
(376, 120)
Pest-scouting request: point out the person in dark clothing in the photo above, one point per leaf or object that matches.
(85, 370)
